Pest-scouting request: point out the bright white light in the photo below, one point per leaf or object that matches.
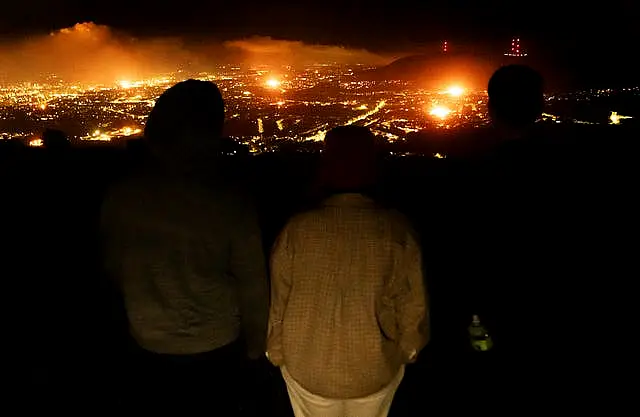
(273, 83)
(615, 118)
(440, 112)
(455, 91)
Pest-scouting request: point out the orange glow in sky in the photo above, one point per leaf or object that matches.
(440, 112)
(273, 83)
(455, 90)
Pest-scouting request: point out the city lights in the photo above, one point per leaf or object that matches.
(124, 132)
(265, 106)
(127, 84)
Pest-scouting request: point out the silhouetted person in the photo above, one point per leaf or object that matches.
(9, 148)
(505, 180)
(348, 302)
(520, 265)
(186, 249)
(516, 99)
(136, 150)
(55, 140)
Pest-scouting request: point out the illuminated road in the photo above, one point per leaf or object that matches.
(320, 134)
(376, 109)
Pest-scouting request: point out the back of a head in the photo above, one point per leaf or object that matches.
(55, 140)
(348, 161)
(515, 96)
(188, 113)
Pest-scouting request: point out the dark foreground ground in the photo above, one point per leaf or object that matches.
(543, 257)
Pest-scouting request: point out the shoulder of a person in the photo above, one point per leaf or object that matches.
(396, 216)
(401, 225)
(303, 217)
(121, 189)
(117, 200)
(234, 195)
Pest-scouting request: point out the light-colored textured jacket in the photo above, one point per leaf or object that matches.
(348, 301)
(189, 260)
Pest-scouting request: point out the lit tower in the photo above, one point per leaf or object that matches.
(516, 50)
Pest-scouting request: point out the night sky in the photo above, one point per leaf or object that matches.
(598, 37)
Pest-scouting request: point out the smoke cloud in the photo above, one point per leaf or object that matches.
(88, 53)
(91, 53)
(268, 51)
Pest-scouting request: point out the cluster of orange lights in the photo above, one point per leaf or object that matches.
(441, 111)
(438, 111)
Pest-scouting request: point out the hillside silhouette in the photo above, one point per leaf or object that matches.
(470, 69)
(436, 70)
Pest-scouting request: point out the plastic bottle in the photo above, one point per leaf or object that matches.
(479, 336)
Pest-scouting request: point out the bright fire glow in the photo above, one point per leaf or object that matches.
(440, 112)
(129, 131)
(99, 135)
(455, 91)
(151, 82)
(36, 142)
(615, 118)
(320, 134)
(273, 83)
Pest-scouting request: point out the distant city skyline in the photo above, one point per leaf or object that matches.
(266, 108)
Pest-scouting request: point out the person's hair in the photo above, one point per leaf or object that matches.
(55, 139)
(190, 110)
(516, 96)
(348, 160)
